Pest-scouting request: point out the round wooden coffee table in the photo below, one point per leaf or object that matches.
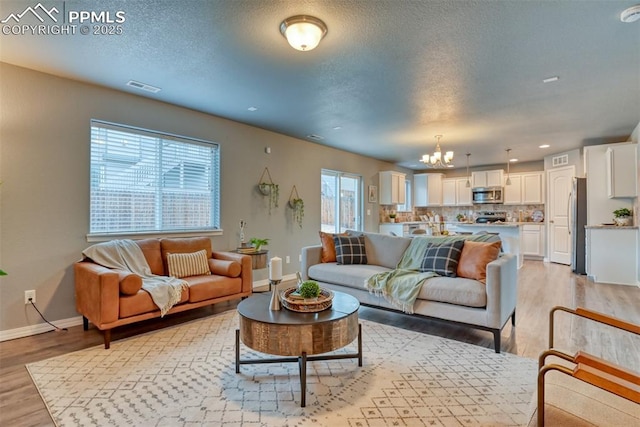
(289, 333)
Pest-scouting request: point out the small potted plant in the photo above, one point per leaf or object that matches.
(309, 289)
(622, 216)
(392, 217)
(258, 243)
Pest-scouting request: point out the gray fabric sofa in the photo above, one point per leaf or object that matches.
(459, 300)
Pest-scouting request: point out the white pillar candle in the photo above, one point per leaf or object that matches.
(275, 268)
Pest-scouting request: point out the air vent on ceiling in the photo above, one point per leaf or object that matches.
(560, 160)
(315, 137)
(143, 86)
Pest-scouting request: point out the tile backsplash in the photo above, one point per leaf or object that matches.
(449, 213)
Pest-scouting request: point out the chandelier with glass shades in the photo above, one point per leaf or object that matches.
(437, 160)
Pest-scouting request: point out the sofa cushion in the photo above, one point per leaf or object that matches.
(328, 253)
(202, 288)
(184, 245)
(383, 249)
(152, 253)
(352, 276)
(190, 264)
(350, 250)
(442, 258)
(223, 267)
(474, 259)
(140, 303)
(458, 290)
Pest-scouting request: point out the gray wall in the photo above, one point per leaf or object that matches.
(44, 198)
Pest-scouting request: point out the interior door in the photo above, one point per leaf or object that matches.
(558, 211)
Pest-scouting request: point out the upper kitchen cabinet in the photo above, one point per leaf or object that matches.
(492, 178)
(427, 189)
(525, 189)
(392, 188)
(455, 192)
(621, 171)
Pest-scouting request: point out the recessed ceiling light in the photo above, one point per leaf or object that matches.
(551, 79)
(252, 109)
(337, 128)
(544, 146)
(143, 86)
(513, 160)
(631, 14)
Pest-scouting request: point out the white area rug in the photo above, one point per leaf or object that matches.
(185, 376)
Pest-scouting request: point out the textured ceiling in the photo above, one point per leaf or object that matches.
(391, 74)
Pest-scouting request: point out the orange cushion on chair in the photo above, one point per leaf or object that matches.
(474, 259)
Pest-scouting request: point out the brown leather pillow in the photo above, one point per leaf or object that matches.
(474, 259)
(328, 246)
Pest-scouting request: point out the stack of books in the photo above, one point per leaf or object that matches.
(246, 249)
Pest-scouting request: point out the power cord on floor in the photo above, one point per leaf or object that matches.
(57, 329)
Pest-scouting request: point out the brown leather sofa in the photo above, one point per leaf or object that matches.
(109, 298)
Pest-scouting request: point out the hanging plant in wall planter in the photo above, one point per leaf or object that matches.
(268, 188)
(297, 204)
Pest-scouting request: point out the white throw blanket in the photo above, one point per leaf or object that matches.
(127, 255)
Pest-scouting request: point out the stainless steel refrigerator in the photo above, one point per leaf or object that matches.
(577, 221)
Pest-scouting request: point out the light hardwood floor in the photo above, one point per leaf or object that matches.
(541, 286)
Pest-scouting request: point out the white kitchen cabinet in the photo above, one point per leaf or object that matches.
(532, 188)
(612, 255)
(492, 178)
(392, 188)
(621, 171)
(513, 192)
(449, 192)
(533, 240)
(463, 193)
(525, 189)
(427, 189)
(455, 192)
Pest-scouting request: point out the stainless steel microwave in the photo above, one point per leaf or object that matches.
(483, 195)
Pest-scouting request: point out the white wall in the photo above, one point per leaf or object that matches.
(44, 166)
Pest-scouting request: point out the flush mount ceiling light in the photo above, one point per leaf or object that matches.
(303, 32)
(437, 160)
(631, 14)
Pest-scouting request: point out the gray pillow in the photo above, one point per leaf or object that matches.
(350, 250)
(442, 258)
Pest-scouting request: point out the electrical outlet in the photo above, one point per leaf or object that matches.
(287, 259)
(29, 295)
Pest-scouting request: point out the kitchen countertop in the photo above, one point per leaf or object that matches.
(612, 227)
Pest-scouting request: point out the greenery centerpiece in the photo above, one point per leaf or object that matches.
(309, 289)
(622, 216)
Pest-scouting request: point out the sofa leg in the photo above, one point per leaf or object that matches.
(496, 339)
(107, 338)
(85, 323)
(513, 318)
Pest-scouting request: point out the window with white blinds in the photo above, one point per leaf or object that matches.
(145, 182)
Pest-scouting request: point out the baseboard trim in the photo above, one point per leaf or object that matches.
(40, 328)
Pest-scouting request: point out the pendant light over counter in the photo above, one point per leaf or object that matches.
(468, 184)
(508, 181)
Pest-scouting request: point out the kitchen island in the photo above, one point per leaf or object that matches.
(510, 233)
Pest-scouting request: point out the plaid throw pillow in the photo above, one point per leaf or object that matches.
(442, 259)
(350, 249)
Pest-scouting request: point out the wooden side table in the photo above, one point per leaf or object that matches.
(258, 258)
(301, 335)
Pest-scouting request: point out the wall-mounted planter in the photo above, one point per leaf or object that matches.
(267, 187)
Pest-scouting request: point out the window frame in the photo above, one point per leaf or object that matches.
(213, 177)
(359, 209)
